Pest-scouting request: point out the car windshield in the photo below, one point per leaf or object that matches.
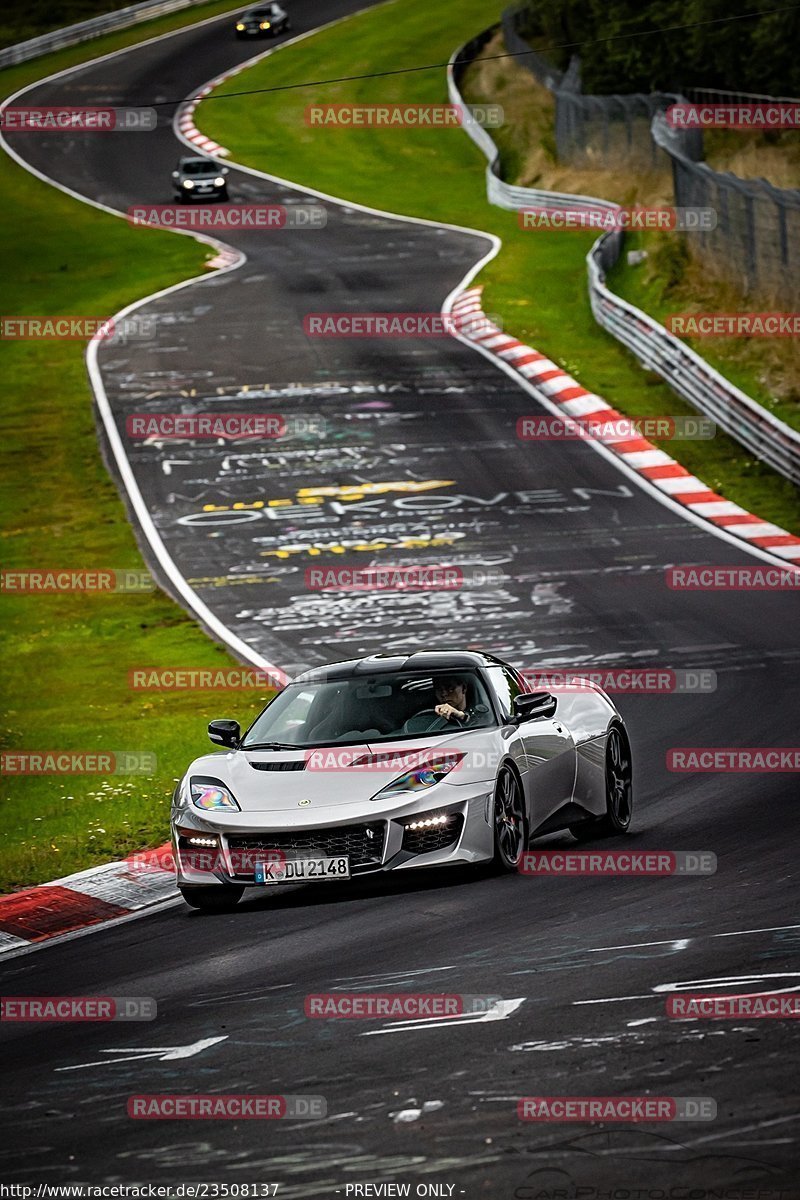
(200, 168)
(374, 708)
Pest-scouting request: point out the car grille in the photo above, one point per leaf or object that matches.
(363, 844)
(423, 841)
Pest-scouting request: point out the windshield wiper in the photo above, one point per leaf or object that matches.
(271, 746)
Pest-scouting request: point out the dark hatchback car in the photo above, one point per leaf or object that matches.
(200, 179)
(268, 20)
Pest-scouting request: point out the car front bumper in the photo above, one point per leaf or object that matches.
(374, 842)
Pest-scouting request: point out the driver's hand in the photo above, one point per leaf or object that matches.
(447, 710)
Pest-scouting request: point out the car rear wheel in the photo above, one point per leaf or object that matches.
(510, 822)
(619, 791)
(214, 898)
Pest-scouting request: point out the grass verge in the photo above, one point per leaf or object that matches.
(538, 281)
(66, 657)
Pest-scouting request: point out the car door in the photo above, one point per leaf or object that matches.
(545, 750)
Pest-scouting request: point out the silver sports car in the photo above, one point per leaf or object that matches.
(393, 762)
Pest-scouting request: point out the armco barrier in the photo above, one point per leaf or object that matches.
(770, 440)
(84, 31)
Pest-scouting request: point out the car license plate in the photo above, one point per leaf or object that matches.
(303, 870)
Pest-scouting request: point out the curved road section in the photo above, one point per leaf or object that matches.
(401, 452)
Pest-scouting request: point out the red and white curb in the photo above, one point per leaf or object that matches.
(184, 120)
(190, 131)
(88, 898)
(638, 454)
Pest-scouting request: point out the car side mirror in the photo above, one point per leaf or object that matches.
(175, 174)
(530, 705)
(225, 733)
(225, 171)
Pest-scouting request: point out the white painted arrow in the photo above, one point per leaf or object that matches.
(163, 1053)
(500, 1010)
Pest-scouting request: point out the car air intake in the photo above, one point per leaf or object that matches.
(289, 764)
(362, 843)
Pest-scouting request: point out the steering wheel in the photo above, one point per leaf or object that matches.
(439, 723)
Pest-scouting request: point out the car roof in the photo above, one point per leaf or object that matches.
(415, 660)
(195, 158)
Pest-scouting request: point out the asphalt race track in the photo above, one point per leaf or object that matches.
(583, 964)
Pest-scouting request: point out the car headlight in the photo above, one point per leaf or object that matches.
(219, 181)
(265, 24)
(423, 776)
(211, 795)
(240, 26)
(188, 183)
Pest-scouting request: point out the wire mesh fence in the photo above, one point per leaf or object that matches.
(757, 235)
(756, 242)
(591, 131)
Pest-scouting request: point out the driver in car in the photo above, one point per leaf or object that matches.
(451, 696)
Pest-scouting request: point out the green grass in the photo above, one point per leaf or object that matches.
(537, 283)
(66, 657)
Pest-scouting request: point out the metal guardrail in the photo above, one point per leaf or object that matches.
(500, 193)
(770, 440)
(84, 31)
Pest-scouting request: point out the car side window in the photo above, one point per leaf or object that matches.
(506, 688)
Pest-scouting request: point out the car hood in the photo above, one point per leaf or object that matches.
(332, 777)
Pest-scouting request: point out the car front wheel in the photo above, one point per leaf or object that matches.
(510, 823)
(214, 898)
